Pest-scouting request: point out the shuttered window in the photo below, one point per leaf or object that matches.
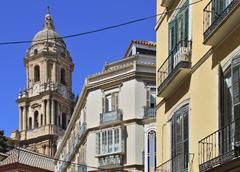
(236, 86)
(179, 136)
(110, 102)
(178, 34)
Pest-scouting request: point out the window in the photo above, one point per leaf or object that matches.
(108, 141)
(179, 136)
(116, 140)
(151, 152)
(63, 76)
(64, 121)
(110, 102)
(145, 51)
(151, 97)
(41, 119)
(30, 123)
(49, 71)
(177, 35)
(36, 73)
(35, 51)
(229, 99)
(36, 123)
(218, 6)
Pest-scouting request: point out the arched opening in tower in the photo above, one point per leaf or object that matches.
(36, 73)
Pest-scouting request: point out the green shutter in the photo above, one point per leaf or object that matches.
(172, 35)
(186, 25)
(236, 98)
(236, 86)
(172, 43)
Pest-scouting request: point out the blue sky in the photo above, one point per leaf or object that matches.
(20, 20)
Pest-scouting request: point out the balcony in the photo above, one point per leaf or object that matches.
(221, 150)
(175, 69)
(220, 18)
(180, 163)
(112, 116)
(110, 162)
(149, 112)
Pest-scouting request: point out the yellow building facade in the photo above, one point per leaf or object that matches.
(198, 107)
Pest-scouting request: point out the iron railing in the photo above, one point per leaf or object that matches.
(179, 57)
(221, 146)
(149, 112)
(111, 116)
(180, 163)
(215, 12)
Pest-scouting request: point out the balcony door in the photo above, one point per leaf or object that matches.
(179, 137)
(229, 120)
(177, 35)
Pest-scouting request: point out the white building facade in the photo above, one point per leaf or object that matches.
(114, 117)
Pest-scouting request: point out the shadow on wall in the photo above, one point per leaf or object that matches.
(222, 50)
(183, 89)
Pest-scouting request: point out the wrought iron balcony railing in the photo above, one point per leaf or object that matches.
(220, 146)
(149, 112)
(179, 57)
(111, 116)
(180, 163)
(215, 12)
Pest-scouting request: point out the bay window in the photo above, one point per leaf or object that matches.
(109, 141)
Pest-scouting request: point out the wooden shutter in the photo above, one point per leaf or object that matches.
(147, 97)
(116, 101)
(172, 42)
(103, 104)
(236, 86)
(221, 95)
(172, 35)
(236, 98)
(186, 22)
(113, 101)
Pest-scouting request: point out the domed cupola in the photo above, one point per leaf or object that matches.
(47, 40)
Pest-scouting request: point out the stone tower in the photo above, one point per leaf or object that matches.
(46, 105)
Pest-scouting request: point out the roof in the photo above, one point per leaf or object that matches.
(26, 157)
(146, 43)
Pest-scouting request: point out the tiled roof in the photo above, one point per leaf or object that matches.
(147, 43)
(26, 157)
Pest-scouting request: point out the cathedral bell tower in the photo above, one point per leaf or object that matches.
(45, 106)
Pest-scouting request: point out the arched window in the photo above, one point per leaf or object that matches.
(35, 51)
(151, 152)
(30, 123)
(36, 73)
(63, 76)
(36, 123)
